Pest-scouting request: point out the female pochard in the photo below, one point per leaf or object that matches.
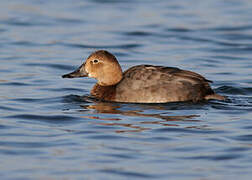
(142, 83)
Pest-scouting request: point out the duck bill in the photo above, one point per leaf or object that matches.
(80, 72)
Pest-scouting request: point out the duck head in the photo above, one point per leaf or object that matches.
(100, 65)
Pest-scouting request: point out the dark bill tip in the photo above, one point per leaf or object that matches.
(67, 76)
(74, 75)
(77, 73)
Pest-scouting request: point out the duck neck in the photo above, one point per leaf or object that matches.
(104, 92)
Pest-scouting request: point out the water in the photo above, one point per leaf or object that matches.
(51, 129)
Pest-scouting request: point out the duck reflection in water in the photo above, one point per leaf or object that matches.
(137, 126)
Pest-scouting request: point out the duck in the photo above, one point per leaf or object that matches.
(142, 83)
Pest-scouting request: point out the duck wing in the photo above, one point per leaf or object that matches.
(148, 83)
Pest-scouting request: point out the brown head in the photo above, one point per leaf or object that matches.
(100, 65)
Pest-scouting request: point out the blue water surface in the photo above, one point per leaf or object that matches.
(50, 128)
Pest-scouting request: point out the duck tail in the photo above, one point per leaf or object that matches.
(215, 96)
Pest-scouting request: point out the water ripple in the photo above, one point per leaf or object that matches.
(34, 144)
(20, 152)
(223, 157)
(7, 108)
(231, 28)
(108, 137)
(235, 90)
(198, 130)
(247, 137)
(50, 65)
(52, 118)
(118, 46)
(15, 84)
(128, 173)
(138, 33)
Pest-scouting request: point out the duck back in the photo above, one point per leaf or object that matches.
(158, 84)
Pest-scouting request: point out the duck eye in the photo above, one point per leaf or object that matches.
(96, 61)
